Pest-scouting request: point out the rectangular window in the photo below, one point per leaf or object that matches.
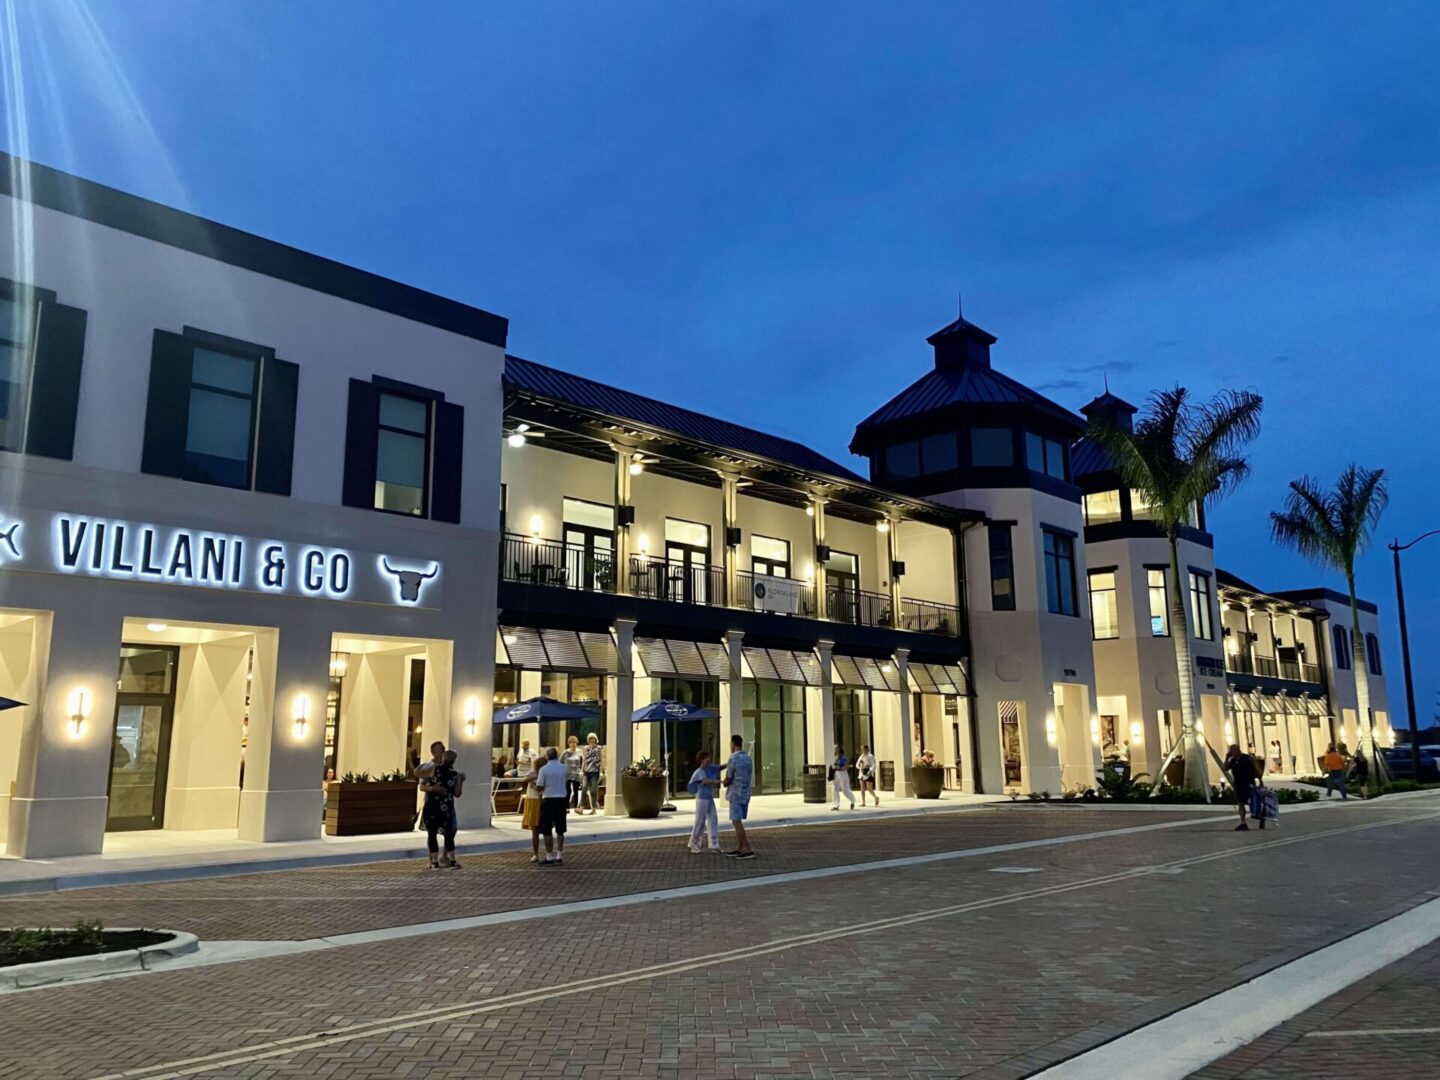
(1159, 602)
(938, 453)
(769, 556)
(1046, 456)
(902, 460)
(220, 436)
(1140, 508)
(1200, 601)
(991, 448)
(402, 455)
(1104, 613)
(1002, 569)
(1342, 648)
(1372, 653)
(16, 336)
(1101, 507)
(1060, 573)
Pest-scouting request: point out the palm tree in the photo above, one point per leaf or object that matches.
(1179, 455)
(1332, 528)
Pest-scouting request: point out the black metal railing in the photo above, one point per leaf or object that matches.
(857, 607)
(677, 582)
(539, 561)
(777, 595)
(928, 617)
(1271, 668)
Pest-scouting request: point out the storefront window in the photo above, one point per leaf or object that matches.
(854, 726)
(506, 738)
(774, 719)
(685, 740)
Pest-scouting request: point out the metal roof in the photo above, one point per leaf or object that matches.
(1087, 457)
(575, 390)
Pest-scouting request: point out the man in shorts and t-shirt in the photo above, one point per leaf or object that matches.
(553, 780)
(739, 771)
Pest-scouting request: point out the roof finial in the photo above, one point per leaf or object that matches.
(1107, 382)
(960, 306)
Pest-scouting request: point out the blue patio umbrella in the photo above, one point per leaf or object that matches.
(665, 712)
(537, 710)
(9, 703)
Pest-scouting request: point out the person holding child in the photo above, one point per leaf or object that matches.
(441, 785)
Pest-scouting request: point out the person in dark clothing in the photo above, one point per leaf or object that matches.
(442, 788)
(1244, 778)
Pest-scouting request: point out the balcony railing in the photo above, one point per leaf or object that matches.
(541, 561)
(1270, 668)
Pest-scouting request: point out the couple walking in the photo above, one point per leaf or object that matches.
(840, 776)
(737, 781)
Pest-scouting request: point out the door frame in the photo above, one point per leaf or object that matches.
(166, 701)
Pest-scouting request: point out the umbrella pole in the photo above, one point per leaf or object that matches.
(665, 756)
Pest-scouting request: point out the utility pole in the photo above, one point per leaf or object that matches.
(1395, 548)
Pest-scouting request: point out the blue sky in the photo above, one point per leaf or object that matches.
(760, 210)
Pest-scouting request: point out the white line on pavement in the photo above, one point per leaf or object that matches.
(1372, 1031)
(442, 1014)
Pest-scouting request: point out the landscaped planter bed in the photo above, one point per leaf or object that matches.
(366, 807)
(31, 957)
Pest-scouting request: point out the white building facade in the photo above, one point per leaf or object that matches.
(249, 521)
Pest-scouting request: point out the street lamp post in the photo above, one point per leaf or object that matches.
(1395, 549)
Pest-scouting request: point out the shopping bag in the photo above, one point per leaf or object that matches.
(1264, 805)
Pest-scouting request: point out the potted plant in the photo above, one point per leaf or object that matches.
(927, 778)
(358, 804)
(642, 786)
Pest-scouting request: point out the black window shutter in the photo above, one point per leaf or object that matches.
(362, 435)
(55, 385)
(275, 442)
(167, 412)
(449, 452)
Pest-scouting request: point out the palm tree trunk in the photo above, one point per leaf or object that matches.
(1360, 664)
(1191, 749)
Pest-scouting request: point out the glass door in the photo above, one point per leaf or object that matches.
(1010, 742)
(687, 561)
(589, 545)
(842, 586)
(140, 748)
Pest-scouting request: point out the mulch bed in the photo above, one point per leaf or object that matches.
(21, 946)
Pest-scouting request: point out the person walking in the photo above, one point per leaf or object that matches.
(1334, 765)
(739, 772)
(1360, 772)
(1244, 774)
(553, 780)
(1276, 761)
(865, 765)
(590, 759)
(840, 777)
(574, 760)
(703, 782)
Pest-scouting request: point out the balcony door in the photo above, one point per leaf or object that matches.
(687, 561)
(589, 537)
(769, 557)
(842, 586)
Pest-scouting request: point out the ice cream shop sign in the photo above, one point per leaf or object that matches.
(169, 555)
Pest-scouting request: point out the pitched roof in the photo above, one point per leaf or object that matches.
(1088, 457)
(941, 388)
(578, 391)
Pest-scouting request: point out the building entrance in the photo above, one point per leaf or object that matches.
(1010, 754)
(140, 747)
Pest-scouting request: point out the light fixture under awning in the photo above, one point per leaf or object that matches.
(558, 650)
(687, 659)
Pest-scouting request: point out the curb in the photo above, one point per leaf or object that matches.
(46, 972)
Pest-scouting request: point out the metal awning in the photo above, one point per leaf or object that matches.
(937, 678)
(1316, 706)
(1244, 701)
(558, 650)
(865, 673)
(685, 659)
(783, 665)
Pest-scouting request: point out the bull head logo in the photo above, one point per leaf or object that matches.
(7, 539)
(408, 582)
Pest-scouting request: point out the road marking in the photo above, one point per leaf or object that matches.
(1014, 870)
(1371, 1031)
(462, 1011)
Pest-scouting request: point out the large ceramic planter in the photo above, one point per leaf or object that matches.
(360, 809)
(927, 781)
(643, 795)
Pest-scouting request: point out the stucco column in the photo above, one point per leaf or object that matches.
(280, 799)
(472, 704)
(619, 728)
(730, 519)
(623, 457)
(904, 786)
(825, 651)
(60, 801)
(732, 693)
(817, 531)
(892, 555)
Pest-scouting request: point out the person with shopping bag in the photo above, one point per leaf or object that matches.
(1244, 773)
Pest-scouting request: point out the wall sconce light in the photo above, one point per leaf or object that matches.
(809, 511)
(809, 571)
(1232, 646)
(301, 714)
(1200, 728)
(1229, 732)
(883, 526)
(472, 717)
(1095, 730)
(339, 664)
(1050, 728)
(643, 544)
(535, 526)
(79, 709)
(1137, 734)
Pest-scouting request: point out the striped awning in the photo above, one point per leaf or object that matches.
(558, 650)
(937, 678)
(783, 665)
(1316, 706)
(686, 659)
(865, 673)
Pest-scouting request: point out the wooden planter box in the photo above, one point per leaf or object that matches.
(381, 806)
(927, 782)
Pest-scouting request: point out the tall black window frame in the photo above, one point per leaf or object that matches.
(445, 458)
(1002, 569)
(1372, 653)
(49, 339)
(1104, 604)
(1157, 586)
(202, 423)
(1342, 648)
(1202, 612)
(1061, 593)
(425, 438)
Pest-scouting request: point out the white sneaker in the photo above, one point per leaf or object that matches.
(693, 849)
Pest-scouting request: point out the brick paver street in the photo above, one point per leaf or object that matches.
(939, 968)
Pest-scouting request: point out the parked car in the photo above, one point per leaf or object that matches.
(1402, 764)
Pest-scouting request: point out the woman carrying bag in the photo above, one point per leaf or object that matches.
(840, 777)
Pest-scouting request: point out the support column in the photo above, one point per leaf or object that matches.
(825, 650)
(817, 532)
(892, 551)
(730, 553)
(904, 785)
(472, 690)
(624, 455)
(619, 728)
(732, 693)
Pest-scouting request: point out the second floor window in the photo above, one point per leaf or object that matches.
(1342, 648)
(1372, 653)
(404, 450)
(1102, 507)
(1159, 590)
(1002, 569)
(1060, 573)
(769, 556)
(1104, 612)
(1046, 456)
(17, 333)
(220, 436)
(402, 454)
(1200, 602)
(42, 343)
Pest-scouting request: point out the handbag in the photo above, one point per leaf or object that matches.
(830, 773)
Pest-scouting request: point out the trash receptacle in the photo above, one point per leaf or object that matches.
(887, 776)
(813, 783)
